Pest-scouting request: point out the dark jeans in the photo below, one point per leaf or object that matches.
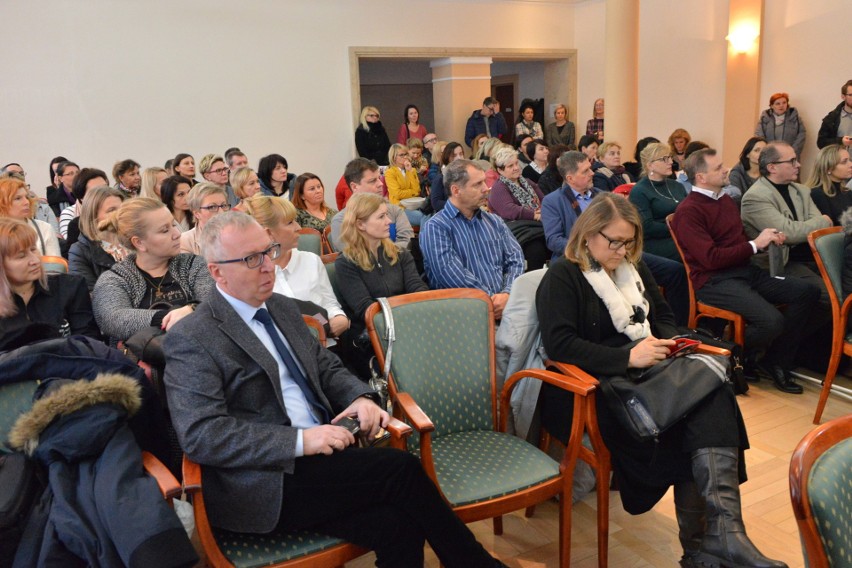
(671, 275)
(381, 499)
(752, 293)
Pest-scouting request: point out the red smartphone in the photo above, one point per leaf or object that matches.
(683, 346)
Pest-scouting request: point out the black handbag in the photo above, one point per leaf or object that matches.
(20, 487)
(147, 346)
(648, 402)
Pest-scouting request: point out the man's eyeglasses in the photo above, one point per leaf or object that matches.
(791, 161)
(214, 208)
(255, 260)
(616, 244)
(220, 171)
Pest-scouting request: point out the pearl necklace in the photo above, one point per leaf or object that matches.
(665, 185)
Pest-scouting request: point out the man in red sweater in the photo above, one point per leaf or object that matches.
(708, 227)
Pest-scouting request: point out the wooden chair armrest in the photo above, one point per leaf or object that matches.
(413, 412)
(572, 371)
(844, 313)
(566, 381)
(191, 476)
(399, 429)
(711, 350)
(168, 483)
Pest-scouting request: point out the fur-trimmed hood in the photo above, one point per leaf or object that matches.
(106, 388)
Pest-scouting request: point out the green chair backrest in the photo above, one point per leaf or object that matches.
(829, 488)
(332, 277)
(442, 358)
(830, 248)
(310, 243)
(15, 399)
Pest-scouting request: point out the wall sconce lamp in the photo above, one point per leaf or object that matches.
(743, 37)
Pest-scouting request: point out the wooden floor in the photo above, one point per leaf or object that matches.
(776, 423)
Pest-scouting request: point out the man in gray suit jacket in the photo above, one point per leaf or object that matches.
(270, 458)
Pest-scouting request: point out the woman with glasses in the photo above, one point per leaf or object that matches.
(371, 266)
(96, 251)
(371, 139)
(60, 196)
(205, 200)
(309, 200)
(402, 180)
(156, 285)
(215, 170)
(600, 309)
(656, 196)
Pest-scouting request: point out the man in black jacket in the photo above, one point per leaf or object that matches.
(837, 125)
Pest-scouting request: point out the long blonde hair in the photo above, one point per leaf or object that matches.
(149, 182)
(359, 208)
(15, 236)
(827, 160)
(364, 112)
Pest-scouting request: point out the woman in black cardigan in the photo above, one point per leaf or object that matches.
(702, 454)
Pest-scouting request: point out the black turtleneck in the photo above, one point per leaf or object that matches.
(784, 190)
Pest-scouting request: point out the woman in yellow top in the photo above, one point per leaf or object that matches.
(401, 179)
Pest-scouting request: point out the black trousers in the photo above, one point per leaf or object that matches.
(752, 293)
(381, 499)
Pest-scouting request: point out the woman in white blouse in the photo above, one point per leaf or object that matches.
(298, 274)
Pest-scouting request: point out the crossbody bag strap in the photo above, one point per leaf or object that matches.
(40, 238)
(390, 335)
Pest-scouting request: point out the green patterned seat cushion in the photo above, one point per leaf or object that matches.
(15, 399)
(830, 490)
(480, 465)
(246, 550)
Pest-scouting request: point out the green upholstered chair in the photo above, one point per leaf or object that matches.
(820, 489)
(331, 270)
(316, 329)
(827, 246)
(310, 240)
(443, 383)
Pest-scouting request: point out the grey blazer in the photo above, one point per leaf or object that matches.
(225, 400)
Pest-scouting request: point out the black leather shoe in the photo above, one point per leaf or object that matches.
(781, 378)
(750, 369)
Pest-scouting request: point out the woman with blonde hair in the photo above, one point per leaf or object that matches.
(656, 196)
(156, 285)
(96, 251)
(29, 296)
(609, 171)
(600, 309)
(371, 138)
(371, 266)
(562, 130)
(15, 202)
(298, 274)
(678, 142)
(152, 180)
(245, 183)
(832, 171)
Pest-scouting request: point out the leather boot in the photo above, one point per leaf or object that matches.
(690, 508)
(725, 541)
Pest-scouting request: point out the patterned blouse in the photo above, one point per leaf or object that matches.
(308, 221)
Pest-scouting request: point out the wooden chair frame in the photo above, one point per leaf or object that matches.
(334, 556)
(316, 328)
(839, 318)
(326, 241)
(406, 408)
(806, 453)
(55, 260)
(698, 310)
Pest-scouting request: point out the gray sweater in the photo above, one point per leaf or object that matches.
(120, 290)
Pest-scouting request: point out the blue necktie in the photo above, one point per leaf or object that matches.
(262, 315)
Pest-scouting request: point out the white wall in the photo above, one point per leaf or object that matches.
(530, 78)
(808, 60)
(589, 28)
(103, 80)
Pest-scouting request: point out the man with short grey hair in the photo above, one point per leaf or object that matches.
(466, 247)
(259, 404)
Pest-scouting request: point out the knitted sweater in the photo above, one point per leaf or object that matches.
(711, 235)
(120, 289)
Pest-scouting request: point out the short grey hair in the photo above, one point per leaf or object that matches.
(770, 153)
(569, 162)
(455, 173)
(201, 190)
(502, 156)
(211, 236)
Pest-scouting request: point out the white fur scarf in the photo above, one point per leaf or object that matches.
(620, 294)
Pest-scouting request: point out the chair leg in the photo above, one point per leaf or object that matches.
(603, 514)
(833, 364)
(530, 511)
(498, 525)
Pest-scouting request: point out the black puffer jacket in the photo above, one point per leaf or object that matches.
(100, 509)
